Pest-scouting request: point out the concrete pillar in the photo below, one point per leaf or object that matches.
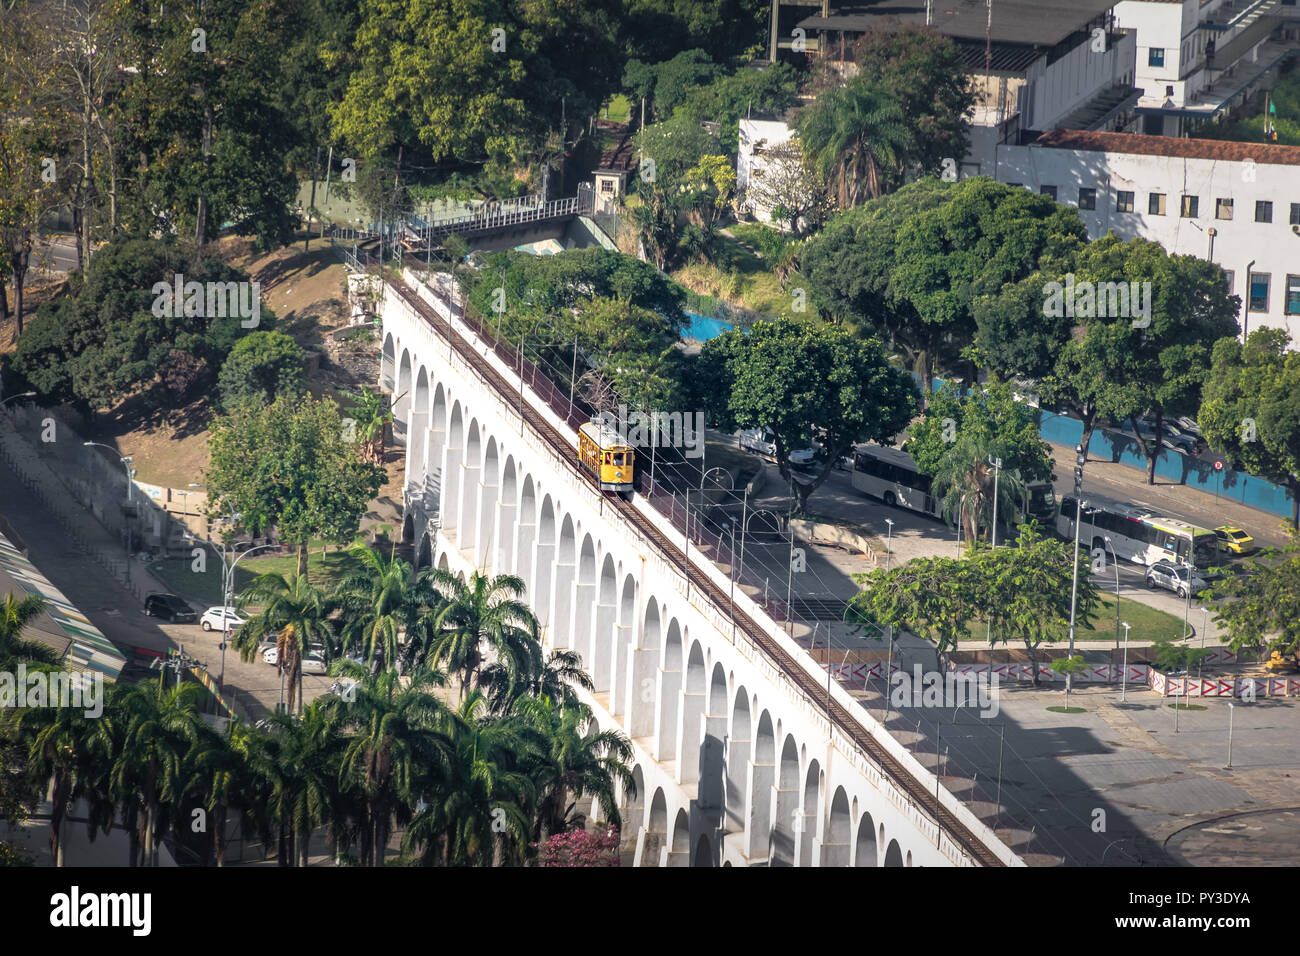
(620, 661)
(544, 564)
(712, 792)
(489, 510)
(689, 718)
(759, 778)
(562, 605)
(419, 437)
(642, 714)
(452, 475)
(785, 804)
(506, 535)
(667, 707)
(836, 854)
(580, 620)
(735, 795)
(600, 657)
(467, 528)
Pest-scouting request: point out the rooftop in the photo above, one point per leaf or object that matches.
(1033, 22)
(1265, 154)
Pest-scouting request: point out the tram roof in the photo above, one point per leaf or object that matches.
(603, 434)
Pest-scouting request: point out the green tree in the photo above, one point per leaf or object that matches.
(925, 72)
(934, 598)
(1250, 408)
(806, 382)
(1261, 611)
(381, 602)
(857, 136)
(988, 423)
(297, 612)
(290, 464)
(372, 413)
(486, 613)
(15, 615)
(261, 366)
(665, 85)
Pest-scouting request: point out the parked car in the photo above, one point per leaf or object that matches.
(313, 664)
(1175, 577)
(214, 619)
(169, 607)
(1234, 540)
(272, 655)
(1189, 426)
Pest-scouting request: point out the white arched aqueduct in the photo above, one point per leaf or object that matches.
(730, 767)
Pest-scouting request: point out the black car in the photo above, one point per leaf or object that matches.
(170, 608)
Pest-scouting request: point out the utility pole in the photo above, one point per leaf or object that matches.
(1080, 458)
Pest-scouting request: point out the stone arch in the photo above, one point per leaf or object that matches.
(388, 364)
(601, 658)
(808, 812)
(893, 855)
(566, 557)
(402, 401)
(545, 563)
(442, 562)
(681, 847)
(656, 829)
(620, 653)
(908, 860)
(643, 676)
(786, 805)
(408, 528)
(670, 689)
(418, 431)
(739, 749)
(864, 851)
(712, 789)
(437, 442)
(467, 531)
(526, 539)
(584, 603)
(703, 852)
(693, 701)
(454, 457)
(760, 790)
(489, 505)
(424, 554)
(837, 843)
(505, 561)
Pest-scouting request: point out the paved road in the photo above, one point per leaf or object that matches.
(117, 613)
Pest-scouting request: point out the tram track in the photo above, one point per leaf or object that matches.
(815, 690)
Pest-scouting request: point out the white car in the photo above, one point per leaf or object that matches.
(272, 656)
(212, 619)
(312, 664)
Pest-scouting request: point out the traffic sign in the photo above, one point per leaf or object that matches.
(1218, 465)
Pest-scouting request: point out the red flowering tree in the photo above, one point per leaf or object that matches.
(580, 848)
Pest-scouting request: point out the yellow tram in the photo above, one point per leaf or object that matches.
(602, 451)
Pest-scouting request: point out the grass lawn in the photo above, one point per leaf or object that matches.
(618, 109)
(204, 587)
(1147, 623)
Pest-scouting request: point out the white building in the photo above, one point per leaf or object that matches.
(1237, 204)
(1197, 59)
(756, 138)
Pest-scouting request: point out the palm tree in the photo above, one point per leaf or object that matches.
(297, 611)
(486, 614)
(478, 814)
(372, 412)
(308, 750)
(393, 750)
(964, 483)
(223, 776)
(381, 602)
(855, 134)
(560, 674)
(159, 731)
(15, 615)
(577, 759)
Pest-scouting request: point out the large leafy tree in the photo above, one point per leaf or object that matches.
(212, 145)
(107, 341)
(956, 440)
(291, 464)
(806, 382)
(858, 137)
(924, 70)
(664, 85)
(1250, 408)
(656, 29)
(261, 366)
(1261, 611)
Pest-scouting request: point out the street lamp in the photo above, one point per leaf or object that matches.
(125, 459)
(1115, 561)
(997, 470)
(19, 395)
(1232, 708)
(889, 537)
(228, 596)
(1123, 677)
(1079, 461)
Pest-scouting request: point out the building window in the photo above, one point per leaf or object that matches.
(1223, 209)
(1232, 279)
(1156, 56)
(1087, 198)
(1049, 191)
(1291, 305)
(1124, 201)
(1295, 214)
(1014, 185)
(1263, 211)
(1189, 207)
(1156, 204)
(607, 185)
(1258, 291)
(1169, 91)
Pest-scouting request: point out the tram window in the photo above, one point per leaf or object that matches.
(618, 458)
(607, 458)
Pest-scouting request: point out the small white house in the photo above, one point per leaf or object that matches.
(756, 137)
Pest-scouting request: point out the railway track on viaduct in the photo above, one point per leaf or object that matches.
(814, 689)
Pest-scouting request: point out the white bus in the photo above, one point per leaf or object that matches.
(892, 476)
(1136, 534)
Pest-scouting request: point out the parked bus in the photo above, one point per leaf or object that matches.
(892, 476)
(1137, 534)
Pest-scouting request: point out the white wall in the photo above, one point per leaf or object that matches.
(1274, 246)
(753, 132)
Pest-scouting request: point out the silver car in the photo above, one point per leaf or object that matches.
(1175, 577)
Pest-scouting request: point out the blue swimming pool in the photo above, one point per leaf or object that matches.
(702, 327)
